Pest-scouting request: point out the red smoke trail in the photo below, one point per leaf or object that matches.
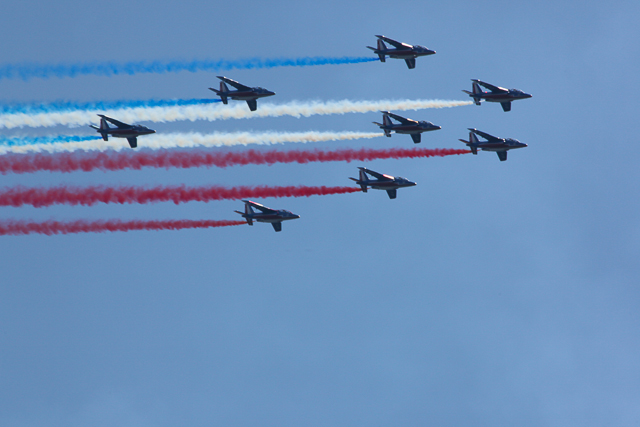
(88, 196)
(16, 228)
(69, 162)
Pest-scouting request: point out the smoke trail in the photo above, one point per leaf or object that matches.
(70, 162)
(102, 105)
(176, 140)
(30, 70)
(88, 196)
(22, 144)
(220, 112)
(16, 228)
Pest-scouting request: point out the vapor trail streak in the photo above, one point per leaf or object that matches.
(70, 162)
(22, 144)
(31, 70)
(19, 227)
(58, 106)
(88, 196)
(236, 110)
(175, 140)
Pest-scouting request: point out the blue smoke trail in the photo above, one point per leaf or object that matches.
(101, 105)
(16, 142)
(43, 71)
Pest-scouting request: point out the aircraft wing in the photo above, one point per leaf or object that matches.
(234, 83)
(277, 226)
(133, 142)
(115, 122)
(492, 88)
(416, 137)
(485, 135)
(411, 63)
(392, 193)
(401, 119)
(502, 155)
(506, 106)
(378, 175)
(395, 43)
(262, 208)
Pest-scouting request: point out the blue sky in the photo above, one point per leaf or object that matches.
(491, 294)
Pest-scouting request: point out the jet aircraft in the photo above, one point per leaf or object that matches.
(123, 130)
(382, 182)
(243, 93)
(272, 216)
(499, 145)
(402, 51)
(496, 94)
(408, 126)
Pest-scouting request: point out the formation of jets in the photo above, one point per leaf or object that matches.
(408, 126)
(402, 125)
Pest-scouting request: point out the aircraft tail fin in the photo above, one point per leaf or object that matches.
(386, 120)
(472, 143)
(249, 220)
(381, 47)
(222, 93)
(476, 91)
(363, 176)
(362, 186)
(104, 126)
(387, 132)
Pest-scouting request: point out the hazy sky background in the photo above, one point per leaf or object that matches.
(491, 294)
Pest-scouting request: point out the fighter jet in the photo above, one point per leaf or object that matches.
(499, 145)
(123, 130)
(497, 94)
(409, 126)
(402, 51)
(244, 93)
(383, 182)
(275, 217)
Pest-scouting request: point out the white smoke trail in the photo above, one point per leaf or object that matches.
(219, 112)
(191, 140)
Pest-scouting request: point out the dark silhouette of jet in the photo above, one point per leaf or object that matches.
(492, 143)
(496, 94)
(243, 93)
(272, 216)
(401, 51)
(382, 182)
(408, 126)
(122, 130)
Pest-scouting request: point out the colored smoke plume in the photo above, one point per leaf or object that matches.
(18, 227)
(87, 196)
(235, 110)
(108, 69)
(174, 140)
(70, 162)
